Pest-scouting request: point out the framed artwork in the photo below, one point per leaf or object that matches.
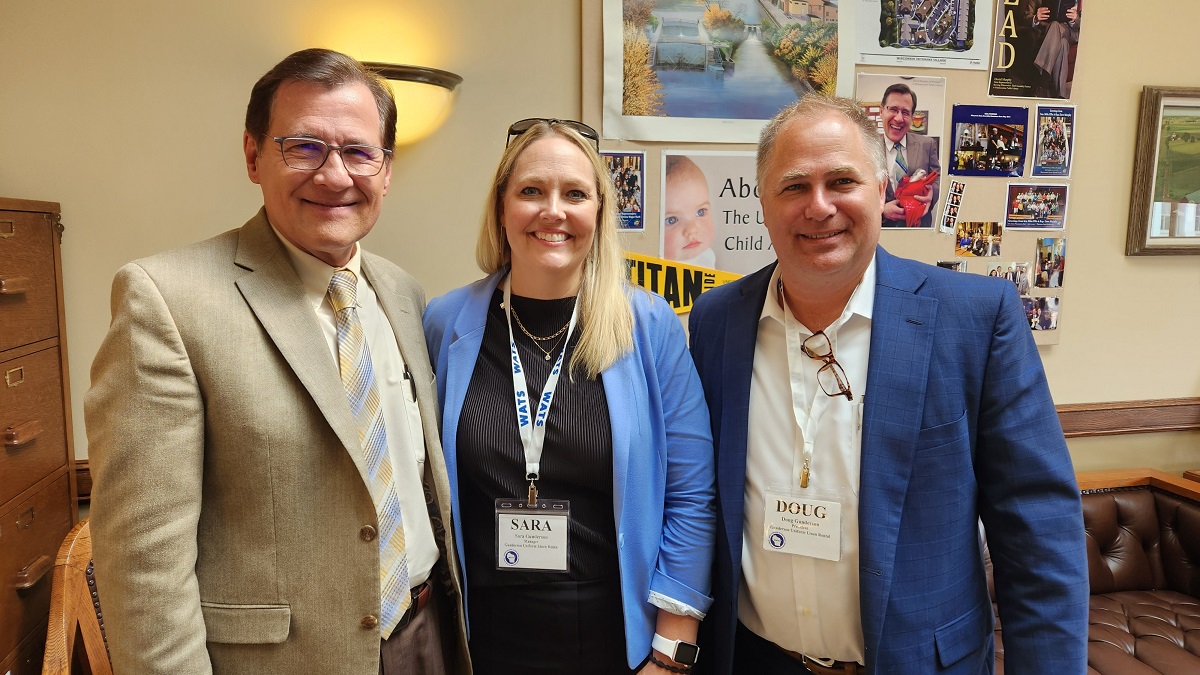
(681, 70)
(1164, 218)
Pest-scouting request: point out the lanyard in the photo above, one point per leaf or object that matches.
(808, 415)
(533, 427)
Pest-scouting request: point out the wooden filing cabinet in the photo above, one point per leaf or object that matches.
(37, 458)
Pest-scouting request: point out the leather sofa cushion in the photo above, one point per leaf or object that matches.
(1144, 632)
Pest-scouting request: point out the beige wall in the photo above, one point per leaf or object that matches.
(130, 115)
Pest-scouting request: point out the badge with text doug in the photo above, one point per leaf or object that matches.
(532, 535)
(802, 525)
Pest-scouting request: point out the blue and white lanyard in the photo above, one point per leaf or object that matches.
(533, 426)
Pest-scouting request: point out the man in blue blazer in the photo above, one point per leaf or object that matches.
(869, 412)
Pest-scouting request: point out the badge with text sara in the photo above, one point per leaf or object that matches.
(802, 525)
(532, 537)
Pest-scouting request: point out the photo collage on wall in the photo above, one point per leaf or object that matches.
(715, 72)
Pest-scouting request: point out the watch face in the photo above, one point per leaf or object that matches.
(686, 653)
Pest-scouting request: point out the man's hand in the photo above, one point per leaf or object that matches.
(1073, 13)
(893, 211)
(1043, 14)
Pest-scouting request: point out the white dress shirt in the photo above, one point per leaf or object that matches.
(805, 604)
(401, 413)
(894, 171)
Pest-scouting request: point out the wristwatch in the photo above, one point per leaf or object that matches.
(679, 650)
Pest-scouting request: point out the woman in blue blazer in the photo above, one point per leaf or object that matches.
(621, 440)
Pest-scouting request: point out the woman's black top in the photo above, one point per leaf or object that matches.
(576, 461)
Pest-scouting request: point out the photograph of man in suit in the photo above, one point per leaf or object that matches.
(270, 494)
(907, 153)
(906, 400)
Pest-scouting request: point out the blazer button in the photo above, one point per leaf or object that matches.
(369, 622)
(367, 533)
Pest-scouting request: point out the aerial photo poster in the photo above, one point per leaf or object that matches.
(925, 33)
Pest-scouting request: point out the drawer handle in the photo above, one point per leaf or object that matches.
(15, 437)
(34, 572)
(7, 229)
(25, 520)
(15, 376)
(13, 285)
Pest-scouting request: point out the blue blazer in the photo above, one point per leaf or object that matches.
(662, 450)
(958, 425)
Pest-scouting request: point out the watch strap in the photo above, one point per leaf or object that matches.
(671, 649)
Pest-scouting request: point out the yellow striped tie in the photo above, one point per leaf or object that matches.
(358, 377)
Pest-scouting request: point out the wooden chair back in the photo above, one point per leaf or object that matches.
(75, 640)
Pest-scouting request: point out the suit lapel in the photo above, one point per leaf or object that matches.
(737, 369)
(276, 296)
(901, 346)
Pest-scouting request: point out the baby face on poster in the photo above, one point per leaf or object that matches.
(711, 216)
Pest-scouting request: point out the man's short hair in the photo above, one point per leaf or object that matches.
(813, 106)
(327, 68)
(899, 88)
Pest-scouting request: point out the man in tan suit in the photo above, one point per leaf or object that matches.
(235, 518)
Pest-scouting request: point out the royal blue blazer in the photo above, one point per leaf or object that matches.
(664, 503)
(958, 426)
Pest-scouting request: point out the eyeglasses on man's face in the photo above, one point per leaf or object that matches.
(830, 376)
(519, 127)
(310, 154)
(897, 110)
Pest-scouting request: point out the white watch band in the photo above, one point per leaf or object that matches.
(680, 651)
(664, 645)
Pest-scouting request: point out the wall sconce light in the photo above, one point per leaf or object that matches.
(423, 98)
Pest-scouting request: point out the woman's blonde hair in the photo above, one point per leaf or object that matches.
(605, 319)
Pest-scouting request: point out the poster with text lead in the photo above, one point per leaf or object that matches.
(1034, 52)
(711, 216)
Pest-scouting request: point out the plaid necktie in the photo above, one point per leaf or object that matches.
(358, 377)
(900, 170)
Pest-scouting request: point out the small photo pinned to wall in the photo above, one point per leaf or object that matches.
(628, 172)
(956, 265)
(988, 140)
(1051, 262)
(1055, 141)
(1036, 207)
(954, 199)
(1016, 272)
(973, 239)
(1042, 313)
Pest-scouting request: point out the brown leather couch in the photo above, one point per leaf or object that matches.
(1143, 539)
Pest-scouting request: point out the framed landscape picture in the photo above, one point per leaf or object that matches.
(1164, 205)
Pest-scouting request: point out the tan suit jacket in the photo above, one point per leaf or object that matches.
(228, 498)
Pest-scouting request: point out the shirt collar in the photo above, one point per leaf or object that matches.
(861, 303)
(314, 273)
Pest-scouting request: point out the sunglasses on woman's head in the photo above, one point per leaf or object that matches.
(519, 127)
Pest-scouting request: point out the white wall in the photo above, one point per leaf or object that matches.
(130, 115)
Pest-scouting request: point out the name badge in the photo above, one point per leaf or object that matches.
(532, 537)
(802, 525)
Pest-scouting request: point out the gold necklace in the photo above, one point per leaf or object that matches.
(536, 339)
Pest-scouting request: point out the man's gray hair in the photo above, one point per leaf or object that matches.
(814, 106)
